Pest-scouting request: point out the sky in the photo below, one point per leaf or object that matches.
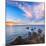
(25, 12)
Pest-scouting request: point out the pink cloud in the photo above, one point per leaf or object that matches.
(39, 11)
(27, 10)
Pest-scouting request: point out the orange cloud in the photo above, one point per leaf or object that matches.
(11, 23)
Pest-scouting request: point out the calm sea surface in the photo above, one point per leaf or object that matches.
(21, 30)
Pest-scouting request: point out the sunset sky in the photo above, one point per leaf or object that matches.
(25, 12)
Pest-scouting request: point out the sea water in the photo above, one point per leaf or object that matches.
(12, 32)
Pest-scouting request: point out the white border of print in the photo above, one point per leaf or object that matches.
(2, 23)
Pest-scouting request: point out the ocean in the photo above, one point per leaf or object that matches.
(21, 30)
